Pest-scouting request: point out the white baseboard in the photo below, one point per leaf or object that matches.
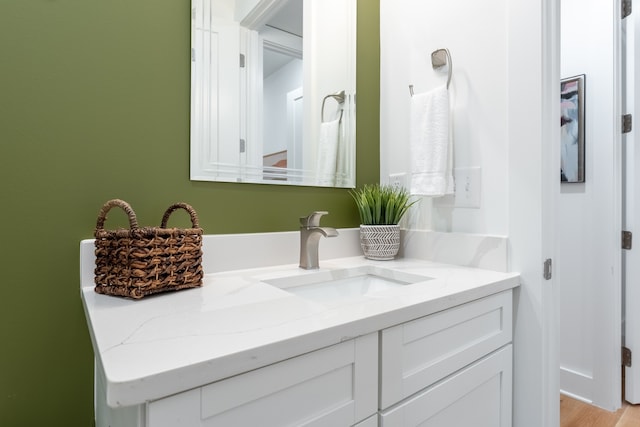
(576, 385)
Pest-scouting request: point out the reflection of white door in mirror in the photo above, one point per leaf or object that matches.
(258, 118)
(215, 103)
(295, 117)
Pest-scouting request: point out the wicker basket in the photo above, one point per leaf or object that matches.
(136, 262)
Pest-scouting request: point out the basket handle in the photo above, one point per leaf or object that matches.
(186, 207)
(102, 216)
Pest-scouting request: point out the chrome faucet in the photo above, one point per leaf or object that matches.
(310, 233)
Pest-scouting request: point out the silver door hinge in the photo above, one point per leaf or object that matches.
(241, 60)
(626, 8)
(627, 239)
(243, 146)
(193, 55)
(627, 123)
(547, 269)
(626, 357)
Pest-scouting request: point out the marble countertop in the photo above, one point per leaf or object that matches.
(236, 322)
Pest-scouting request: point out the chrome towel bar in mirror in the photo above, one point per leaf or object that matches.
(339, 97)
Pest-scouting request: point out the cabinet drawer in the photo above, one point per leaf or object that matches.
(337, 385)
(419, 353)
(479, 396)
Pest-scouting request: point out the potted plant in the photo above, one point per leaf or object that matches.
(381, 207)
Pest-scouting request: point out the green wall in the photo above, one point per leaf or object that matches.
(94, 104)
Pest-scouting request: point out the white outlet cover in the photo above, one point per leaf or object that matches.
(398, 180)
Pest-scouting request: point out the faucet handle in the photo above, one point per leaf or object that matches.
(313, 219)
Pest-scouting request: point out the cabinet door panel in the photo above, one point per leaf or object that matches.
(479, 396)
(329, 387)
(182, 409)
(416, 354)
(327, 396)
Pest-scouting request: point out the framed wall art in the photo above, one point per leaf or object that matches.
(572, 129)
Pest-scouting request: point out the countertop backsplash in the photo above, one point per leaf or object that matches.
(227, 252)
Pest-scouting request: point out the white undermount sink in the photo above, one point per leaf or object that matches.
(345, 284)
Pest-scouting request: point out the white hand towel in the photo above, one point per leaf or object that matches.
(327, 152)
(430, 144)
(342, 156)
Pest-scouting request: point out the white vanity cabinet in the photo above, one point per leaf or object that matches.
(450, 368)
(333, 386)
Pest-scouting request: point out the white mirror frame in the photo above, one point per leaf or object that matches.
(226, 101)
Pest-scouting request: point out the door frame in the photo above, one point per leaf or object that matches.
(631, 258)
(534, 186)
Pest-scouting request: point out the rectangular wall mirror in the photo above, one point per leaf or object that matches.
(273, 91)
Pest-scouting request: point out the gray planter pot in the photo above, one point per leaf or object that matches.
(380, 242)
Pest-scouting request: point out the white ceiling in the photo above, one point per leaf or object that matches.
(289, 18)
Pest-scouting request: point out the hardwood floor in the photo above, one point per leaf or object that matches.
(574, 413)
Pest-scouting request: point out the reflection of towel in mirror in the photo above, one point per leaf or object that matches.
(328, 152)
(342, 167)
(431, 159)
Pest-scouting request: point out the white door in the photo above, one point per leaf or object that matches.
(631, 204)
(588, 214)
(214, 112)
(295, 120)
